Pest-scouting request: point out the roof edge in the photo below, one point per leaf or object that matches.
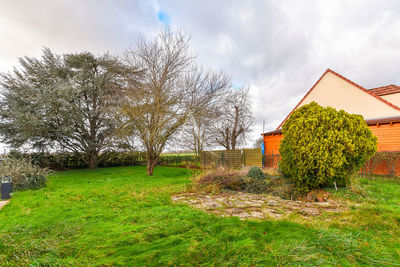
(345, 79)
(368, 122)
(279, 131)
(383, 120)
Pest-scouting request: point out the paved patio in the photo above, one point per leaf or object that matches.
(3, 203)
(252, 206)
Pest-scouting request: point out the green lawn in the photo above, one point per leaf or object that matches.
(118, 216)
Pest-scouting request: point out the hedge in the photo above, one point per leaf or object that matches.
(62, 161)
(179, 160)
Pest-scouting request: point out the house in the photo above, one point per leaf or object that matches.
(380, 108)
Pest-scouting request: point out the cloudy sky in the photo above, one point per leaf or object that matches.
(277, 48)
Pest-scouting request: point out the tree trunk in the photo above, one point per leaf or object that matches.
(151, 163)
(92, 161)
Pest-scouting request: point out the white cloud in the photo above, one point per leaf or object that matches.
(277, 48)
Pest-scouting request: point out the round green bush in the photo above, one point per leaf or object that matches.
(256, 173)
(322, 146)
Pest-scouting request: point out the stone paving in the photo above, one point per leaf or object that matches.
(3, 203)
(252, 206)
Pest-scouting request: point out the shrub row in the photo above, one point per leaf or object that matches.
(179, 159)
(62, 161)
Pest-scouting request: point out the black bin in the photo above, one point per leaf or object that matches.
(5, 187)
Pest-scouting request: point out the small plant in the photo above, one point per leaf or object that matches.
(255, 181)
(256, 186)
(282, 187)
(355, 187)
(219, 179)
(256, 173)
(24, 174)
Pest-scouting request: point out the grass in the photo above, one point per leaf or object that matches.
(119, 216)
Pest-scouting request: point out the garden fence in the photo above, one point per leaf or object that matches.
(382, 163)
(271, 160)
(232, 159)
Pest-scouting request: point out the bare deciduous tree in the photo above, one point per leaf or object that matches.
(258, 142)
(167, 92)
(232, 127)
(197, 132)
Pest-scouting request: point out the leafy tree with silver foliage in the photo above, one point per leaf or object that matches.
(61, 102)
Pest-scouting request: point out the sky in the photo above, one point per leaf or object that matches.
(278, 49)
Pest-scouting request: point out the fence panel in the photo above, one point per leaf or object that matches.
(233, 159)
(383, 163)
(252, 157)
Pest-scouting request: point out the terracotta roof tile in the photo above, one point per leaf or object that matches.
(385, 90)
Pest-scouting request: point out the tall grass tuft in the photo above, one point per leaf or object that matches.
(23, 173)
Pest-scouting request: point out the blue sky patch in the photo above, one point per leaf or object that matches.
(237, 85)
(163, 17)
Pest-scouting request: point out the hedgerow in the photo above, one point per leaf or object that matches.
(65, 160)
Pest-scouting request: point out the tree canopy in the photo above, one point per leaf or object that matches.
(171, 88)
(86, 104)
(61, 102)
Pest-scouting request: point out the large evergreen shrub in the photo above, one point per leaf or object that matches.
(322, 146)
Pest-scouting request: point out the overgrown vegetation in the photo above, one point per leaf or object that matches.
(24, 174)
(323, 146)
(251, 181)
(119, 216)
